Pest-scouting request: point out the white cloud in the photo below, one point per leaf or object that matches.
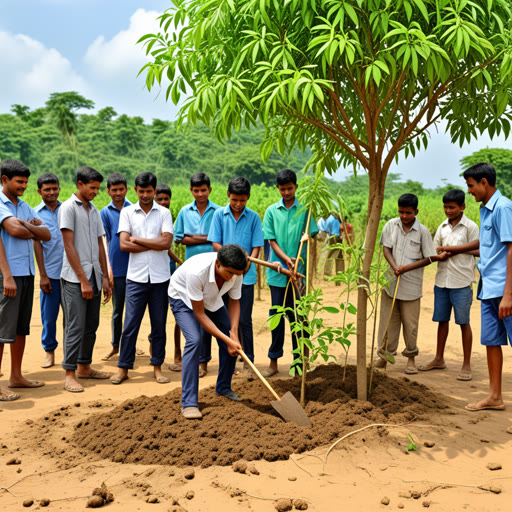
(121, 55)
(31, 72)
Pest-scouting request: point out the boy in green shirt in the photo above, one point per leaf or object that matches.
(283, 228)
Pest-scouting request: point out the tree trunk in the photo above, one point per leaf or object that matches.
(375, 204)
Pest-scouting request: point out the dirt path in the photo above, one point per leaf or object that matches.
(364, 468)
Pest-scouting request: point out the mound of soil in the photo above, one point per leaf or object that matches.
(152, 430)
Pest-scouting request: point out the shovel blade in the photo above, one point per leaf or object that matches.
(290, 410)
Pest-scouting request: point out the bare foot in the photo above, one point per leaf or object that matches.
(8, 396)
(435, 364)
(49, 360)
(112, 353)
(22, 382)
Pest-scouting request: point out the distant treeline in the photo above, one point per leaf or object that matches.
(55, 138)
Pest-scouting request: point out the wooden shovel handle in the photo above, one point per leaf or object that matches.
(256, 371)
(284, 271)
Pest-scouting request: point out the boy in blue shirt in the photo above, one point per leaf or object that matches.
(192, 226)
(49, 261)
(194, 219)
(237, 224)
(495, 267)
(117, 189)
(20, 225)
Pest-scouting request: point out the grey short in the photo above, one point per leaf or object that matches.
(16, 313)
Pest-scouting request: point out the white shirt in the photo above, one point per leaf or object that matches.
(195, 281)
(148, 265)
(459, 270)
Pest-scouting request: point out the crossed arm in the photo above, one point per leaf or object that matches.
(130, 243)
(33, 229)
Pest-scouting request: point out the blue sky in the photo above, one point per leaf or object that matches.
(89, 46)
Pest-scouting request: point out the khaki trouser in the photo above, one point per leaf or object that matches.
(406, 313)
(330, 256)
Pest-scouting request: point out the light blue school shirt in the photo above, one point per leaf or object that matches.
(495, 232)
(332, 225)
(53, 250)
(190, 222)
(118, 258)
(19, 252)
(285, 226)
(245, 232)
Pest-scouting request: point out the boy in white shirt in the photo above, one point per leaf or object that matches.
(453, 281)
(195, 297)
(145, 231)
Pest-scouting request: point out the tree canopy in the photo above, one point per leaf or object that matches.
(360, 81)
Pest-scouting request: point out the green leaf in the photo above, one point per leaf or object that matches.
(390, 358)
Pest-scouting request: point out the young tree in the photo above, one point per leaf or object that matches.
(360, 81)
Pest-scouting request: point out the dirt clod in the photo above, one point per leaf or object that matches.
(189, 474)
(28, 503)
(400, 505)
(300, 504)
(152, 499)
(494, 466)
(12, 461)
(144, 430)
(292, 478)
(283, 505)
(104, 493)
(95, 502)
(240, 466)
(426, 503)
(416, 494)
(385, 500)
(253, 470)
(44, 502)
(429, 444)
(190, 495)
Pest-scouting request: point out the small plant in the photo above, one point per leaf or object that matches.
(412, 445)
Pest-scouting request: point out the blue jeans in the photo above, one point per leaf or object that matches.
(277, 296)
(192, 331)
(245, 333)
(138, 296)
(50, 305)
(118, 297)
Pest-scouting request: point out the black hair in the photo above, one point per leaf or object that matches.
(408, 201)
(12, 168)
(47, 179)
(285, 176)
(145, 179)
(239, 186)
(116, 178)
(199, 179)
(480, 171)
(164, 189)
(86, 174)
(231, 255)
(455, 196)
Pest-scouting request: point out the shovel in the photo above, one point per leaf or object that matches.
(287, 406)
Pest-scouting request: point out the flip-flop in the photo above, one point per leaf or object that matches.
(426, 368)
(33, 384)
(139, 352)
(202, 372)
(8, 397)
(117, 380)
(162, 380)
(411, 371)
(471, 407)
(465, 376)
(269, 372)
(175, 367)
(73, 389)
(95, 374)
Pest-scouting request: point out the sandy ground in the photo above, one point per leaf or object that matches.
(357, 475)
